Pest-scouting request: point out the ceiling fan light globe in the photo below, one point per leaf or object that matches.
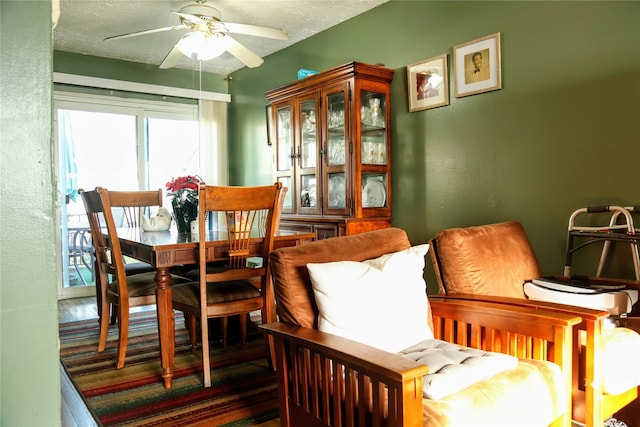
(204, 46)
(212, 47)
(191, 43)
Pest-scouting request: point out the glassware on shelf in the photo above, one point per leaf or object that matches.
(309, 153)
(372, 110)
(337, 191)
(365, 115)
(374, 107)
(336, 152)
(374, 150)
(306, 123)
(308, 196)
(336, 119)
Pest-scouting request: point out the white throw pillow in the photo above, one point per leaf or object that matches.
(380, 302)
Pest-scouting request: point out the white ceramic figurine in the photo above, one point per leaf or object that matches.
(160, 222)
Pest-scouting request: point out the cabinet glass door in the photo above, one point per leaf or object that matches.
(373, 155)
(373, 129)
(308, 148)
(284, 139)
(308, 155)
(309, 192)
(336, 141)
(337, 191)
(284, 152)
(336, 150)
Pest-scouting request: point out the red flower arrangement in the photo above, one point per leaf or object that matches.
(184, 190)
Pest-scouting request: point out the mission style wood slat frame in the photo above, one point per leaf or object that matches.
(323, 379)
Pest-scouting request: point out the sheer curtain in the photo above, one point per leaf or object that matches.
(213, 142)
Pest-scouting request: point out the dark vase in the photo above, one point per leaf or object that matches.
(183, 214)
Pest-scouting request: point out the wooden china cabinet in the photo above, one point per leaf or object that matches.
(332, 149)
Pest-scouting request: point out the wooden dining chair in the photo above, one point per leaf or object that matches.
(238, 288)
(118, 291)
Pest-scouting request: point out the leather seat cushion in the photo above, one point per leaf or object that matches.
(219, 292)
(194, 274)
(137, 268)
(143, 284)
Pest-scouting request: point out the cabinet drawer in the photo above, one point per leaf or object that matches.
(296, 226)
(325, 231)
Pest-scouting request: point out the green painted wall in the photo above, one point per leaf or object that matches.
(563, 132)
(29, 359)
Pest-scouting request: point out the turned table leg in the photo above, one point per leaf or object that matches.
(166, 328)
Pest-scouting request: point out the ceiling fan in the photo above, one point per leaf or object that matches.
(209, 36)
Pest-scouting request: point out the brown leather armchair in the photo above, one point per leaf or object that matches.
(324, 379)
(495, 260)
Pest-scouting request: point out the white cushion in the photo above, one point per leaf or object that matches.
(453, 367)
(380, 302)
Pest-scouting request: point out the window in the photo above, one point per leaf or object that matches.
(124, 144)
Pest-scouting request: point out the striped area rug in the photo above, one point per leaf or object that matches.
(244, 391)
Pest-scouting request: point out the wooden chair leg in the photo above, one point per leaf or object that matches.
(268, 340)
(123, 334)
(104, 327)
(113, 311)
(193, 336)
(204, 337)
(225, 329)
(243, 329)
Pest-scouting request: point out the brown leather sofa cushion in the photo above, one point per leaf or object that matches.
(294, 293)
(492, 259)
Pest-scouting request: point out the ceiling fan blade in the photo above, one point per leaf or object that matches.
(256, 30)
(172, 58)
(191, 18)
(139, 33)
(249, 58)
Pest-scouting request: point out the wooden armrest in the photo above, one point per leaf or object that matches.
(585, 313)
(324, 379)
(348, 352)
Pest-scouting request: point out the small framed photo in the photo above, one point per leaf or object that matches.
(270, 130)
(428, 83)
(477, 66)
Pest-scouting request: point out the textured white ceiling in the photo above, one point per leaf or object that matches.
(84, 24)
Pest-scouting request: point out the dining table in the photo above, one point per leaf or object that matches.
(167, 249)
